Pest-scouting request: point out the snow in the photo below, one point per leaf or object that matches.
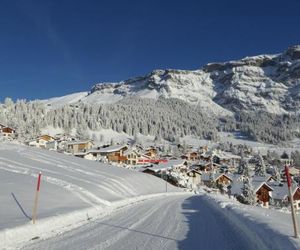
(56, 102)
(70, 188)
(266, 220)
(89, 205)
(179, 222)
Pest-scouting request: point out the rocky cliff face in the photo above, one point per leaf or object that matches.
(269, 83)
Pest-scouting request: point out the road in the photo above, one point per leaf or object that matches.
(172, 222)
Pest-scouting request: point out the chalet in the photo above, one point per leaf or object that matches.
(151, 152)
(114, 153)
(193, 156)
(225, 158)
(78, 146)
(41, 141)
(280, 195)
(194, 179)
(261, 188)
(205, 166)
(7, 132)
(91, 154)
(212, 179)
(131, 156)
(174, 165)
(263, 193)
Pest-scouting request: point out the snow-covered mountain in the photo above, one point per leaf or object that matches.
(269, 83)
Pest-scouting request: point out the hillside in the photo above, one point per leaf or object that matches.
(71, 190)
(256, 96)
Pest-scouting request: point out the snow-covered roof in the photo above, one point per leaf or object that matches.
(111, 149)
(257, 178)
(281, 192)
(257, 185)
(167, 165)
(218, 175)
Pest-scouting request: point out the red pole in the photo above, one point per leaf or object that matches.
(36, 198)
(289, 184)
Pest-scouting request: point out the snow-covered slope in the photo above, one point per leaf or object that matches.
(63, 100)
(270, 83)
(69, 184)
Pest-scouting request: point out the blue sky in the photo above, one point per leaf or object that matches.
(55, 47)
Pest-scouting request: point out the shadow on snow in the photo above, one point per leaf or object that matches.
(211, 227)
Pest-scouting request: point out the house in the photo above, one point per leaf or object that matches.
(79, 146)
(263, 193)
(174, 165)
(261, 188)
(7, 132)
(194, 179)
(192, 156)
(280, 195)
(114, 153)
(151, 152)
(91, 154)
(226, 158)
(41, 141)
(213, 179)
(131, 156)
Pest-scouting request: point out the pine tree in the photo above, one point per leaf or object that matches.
(248, 192)
(260, 167)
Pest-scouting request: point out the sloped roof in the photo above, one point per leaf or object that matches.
(167, 165)
(111, 149)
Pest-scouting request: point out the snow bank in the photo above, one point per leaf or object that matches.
(264, 219)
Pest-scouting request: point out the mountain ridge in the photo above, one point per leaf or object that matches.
(268, 83)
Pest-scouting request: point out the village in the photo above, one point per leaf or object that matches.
(234, 171)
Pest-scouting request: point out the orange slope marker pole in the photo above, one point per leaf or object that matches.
(36, 198)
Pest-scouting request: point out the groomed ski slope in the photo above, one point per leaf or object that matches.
(184, 222)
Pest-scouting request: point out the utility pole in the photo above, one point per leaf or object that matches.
(289, 184)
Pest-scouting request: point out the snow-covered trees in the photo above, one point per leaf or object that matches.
(166, 118)
(249, 196)
(243, 168)
(260, 167)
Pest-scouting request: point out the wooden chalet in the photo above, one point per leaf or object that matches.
(263, 193)
(79, 146)
(193, 156)
(41, 141)
(280, 194)
(7, 132)
(212, 179)
(151, 152)
(132, 156)
(114, 153)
